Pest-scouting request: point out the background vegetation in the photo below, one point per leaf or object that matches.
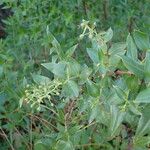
(66, 83)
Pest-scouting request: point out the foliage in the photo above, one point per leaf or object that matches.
(60, 90)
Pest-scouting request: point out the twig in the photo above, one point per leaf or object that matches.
(30, 132)
(105, 9)
(90, 144)
(119, 72)
(43, 120)
(131, 24)
(84, 7)
(22, 137)
(4, 134)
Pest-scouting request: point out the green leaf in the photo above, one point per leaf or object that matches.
(39, 79)
(100, 44)
(143, 96)
(85, 73)
(108, 35)
(143, 126)
(144, 122)
(131, 48)
(120, 93)
(131, 82)
(57, 69)
(73, 69)
(92, 89)
(95, 45)
(116, 119)
(134, 109)
(3, 98)
(70, 89)
(113, 61)
(133, 66)
(64, 145)
(94, 113)
(93, 55)
(1, 70)
(147, 67)
(141, 142)
(57, 47)
(39, 146)
(117, 48)
(70, 51)
(133, 86)
(141, 40)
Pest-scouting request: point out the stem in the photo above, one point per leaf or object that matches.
(130, 24)
(31, 132)
(119, 72)
(84, 7)
(105, 9)
(90, 144)
(11, 146)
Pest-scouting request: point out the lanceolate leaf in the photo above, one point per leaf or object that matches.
(64, 145)
(73, 68)
(143, 96)
(133, 66)
(94, 113)
(74, 88)
(92, 89)
(1, 70)
(70, 89)
(143, 126)
(131, 48)
(147, 67)
(39, 146)
(144, 122)
(56, 46)
(108, 36)
(120, 93)
(116, 119)
(93, 55)
(70, 51)
(85, 73)
(117, 48)
(141, 40)
(57, 69)
(39, 79)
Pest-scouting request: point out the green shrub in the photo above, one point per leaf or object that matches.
(93, 95)
(101, 104)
